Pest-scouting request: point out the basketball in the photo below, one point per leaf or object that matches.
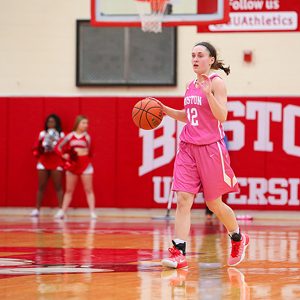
(147, 114)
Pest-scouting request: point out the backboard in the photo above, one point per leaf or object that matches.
(180, 12)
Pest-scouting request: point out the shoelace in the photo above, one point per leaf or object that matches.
(236, 246)
(174, 252)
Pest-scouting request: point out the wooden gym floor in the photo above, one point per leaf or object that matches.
(118, 258)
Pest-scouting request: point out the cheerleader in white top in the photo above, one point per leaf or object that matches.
(76, 150)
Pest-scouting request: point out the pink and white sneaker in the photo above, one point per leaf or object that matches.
(176, 259)
(238, 250)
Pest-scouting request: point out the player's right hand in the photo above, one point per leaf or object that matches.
(163, 107)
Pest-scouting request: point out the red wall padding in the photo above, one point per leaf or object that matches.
(21, 120)
(118, 151)
(3, 150)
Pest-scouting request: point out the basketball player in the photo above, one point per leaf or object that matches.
(75, 149)
(49, 163)
(202, 162)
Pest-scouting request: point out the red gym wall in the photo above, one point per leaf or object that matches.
(134, 168)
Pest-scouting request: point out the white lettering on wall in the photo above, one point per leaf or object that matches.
(294, 183)
(151, 143)
(162, 188)
(261, 191)
(257, 189)
(275, 191)
(160, 146)
(236, 126)
(263, 112)
(289, 130)
(280, 191)
(235, 198)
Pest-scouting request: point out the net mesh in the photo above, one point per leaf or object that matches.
(151, 13)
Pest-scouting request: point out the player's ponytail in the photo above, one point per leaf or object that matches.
(218, 64)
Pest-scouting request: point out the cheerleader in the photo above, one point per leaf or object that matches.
(75, 149)
(49, 164)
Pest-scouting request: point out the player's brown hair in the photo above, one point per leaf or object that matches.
(218, 64)
(78, 119)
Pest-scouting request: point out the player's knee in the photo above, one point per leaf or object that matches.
(214, 206)
(184, 201)
(89, 191)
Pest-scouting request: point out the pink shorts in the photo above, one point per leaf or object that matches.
(204, 168)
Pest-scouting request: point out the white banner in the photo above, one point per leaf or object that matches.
(257, 21)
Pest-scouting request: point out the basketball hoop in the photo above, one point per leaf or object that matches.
(151, 13)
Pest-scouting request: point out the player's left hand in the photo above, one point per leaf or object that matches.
(205, 84)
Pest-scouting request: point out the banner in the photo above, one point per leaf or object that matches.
(259, 16)
(134, 167)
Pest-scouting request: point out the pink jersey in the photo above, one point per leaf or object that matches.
(202, 127)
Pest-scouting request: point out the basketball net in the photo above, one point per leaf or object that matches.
(151, 13)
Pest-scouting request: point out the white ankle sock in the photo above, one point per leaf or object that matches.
(179, 241)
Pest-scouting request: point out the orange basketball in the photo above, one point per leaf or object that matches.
(147, 114)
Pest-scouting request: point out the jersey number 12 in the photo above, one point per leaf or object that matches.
(192, 115)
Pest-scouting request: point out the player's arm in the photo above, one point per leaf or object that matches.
(179, 115)
(216, 94)
(61, 145)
